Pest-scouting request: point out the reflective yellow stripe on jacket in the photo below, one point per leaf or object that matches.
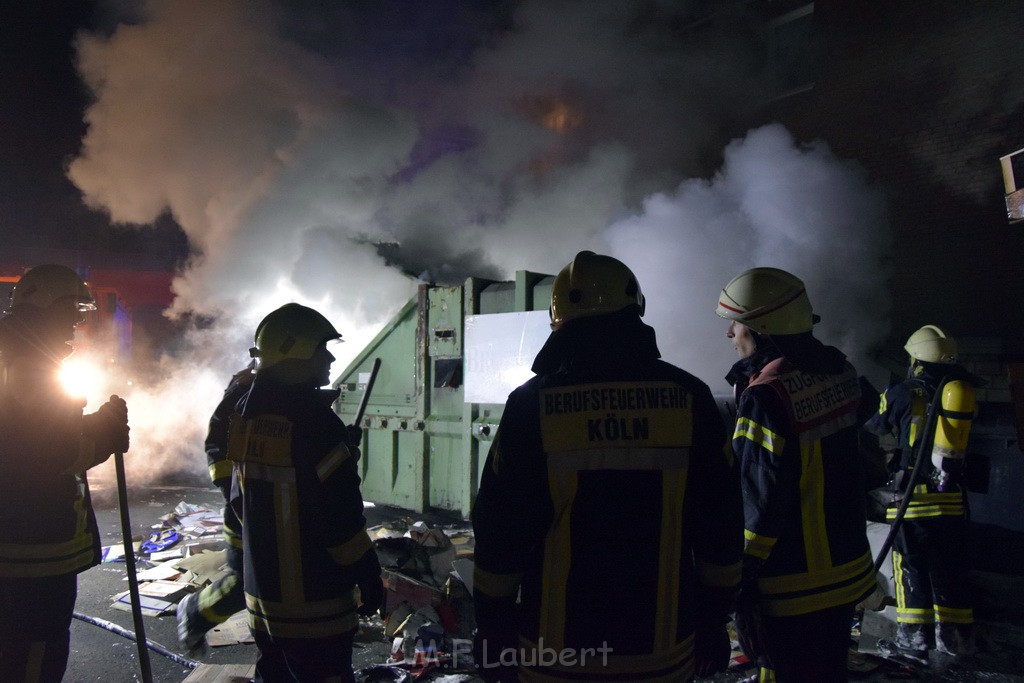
(26, 560)
(302, 619)
(220, 470)
(925, 504)
(794, 594)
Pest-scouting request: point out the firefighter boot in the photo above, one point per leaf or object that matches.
(914, 638)
(192, 640)
(955, 639)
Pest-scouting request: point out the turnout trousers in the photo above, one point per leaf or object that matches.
(35, 627)
(932, 591)
(311, 660)
(218, 601)
(808, 647)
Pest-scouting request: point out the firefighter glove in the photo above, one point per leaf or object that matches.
(371, 586)
(224, 484)
(108, 428)
(353, 435)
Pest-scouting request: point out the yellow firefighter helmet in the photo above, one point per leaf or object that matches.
(931, 345)
(768, 301)
(43, 286)
(592, 284)
(293, 331)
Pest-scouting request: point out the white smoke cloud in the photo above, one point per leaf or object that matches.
(771, 204)
(287, 158)
(203, 111)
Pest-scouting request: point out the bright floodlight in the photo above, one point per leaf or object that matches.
(80, 378)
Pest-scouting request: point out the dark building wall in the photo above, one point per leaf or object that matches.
(927, 96)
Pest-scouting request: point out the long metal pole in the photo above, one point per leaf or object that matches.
(366, 393)
(133, 579)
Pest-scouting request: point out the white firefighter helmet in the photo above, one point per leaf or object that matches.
(931, 345)
(768, 301)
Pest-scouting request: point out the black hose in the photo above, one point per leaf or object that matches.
(923, 446)
(130, 635)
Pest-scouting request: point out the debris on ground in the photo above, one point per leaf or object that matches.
(184, 553)
(428, 610)
(425, 628)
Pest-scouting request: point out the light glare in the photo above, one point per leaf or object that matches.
(80, 378)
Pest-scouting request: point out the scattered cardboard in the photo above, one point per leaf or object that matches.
(377, 532)
(877, 628)
(208, 562)
(232, 632)
(151, 607)
(115, 552)
(169, 554)
(206, 545)
(112, 553)
(165, 571)
(463, 568)
(172, 591)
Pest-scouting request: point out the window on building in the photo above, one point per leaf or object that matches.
(791, 53)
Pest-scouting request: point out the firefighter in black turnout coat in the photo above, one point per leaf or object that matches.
(610, 500)
(933, 605)
(806, 562)
(215, 603)
(296, 489)
(48, 531)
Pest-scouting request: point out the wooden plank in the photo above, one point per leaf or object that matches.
(222, 673)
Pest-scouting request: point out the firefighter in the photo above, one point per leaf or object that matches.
(48, 531)
(296, 490)
(806, 563)
(608, 503)
(216, 602)
(933, 606)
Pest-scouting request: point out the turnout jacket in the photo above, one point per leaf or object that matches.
(902, 412)
(796, 442)
(296, 491)
(217, 450)
(217, 435)
(610, 499)
(47, 524)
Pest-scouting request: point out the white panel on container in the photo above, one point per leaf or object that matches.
(500, 348)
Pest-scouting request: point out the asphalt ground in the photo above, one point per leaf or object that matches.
(98, 654)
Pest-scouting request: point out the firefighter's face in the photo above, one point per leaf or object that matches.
(742, 339)
(61, 318)
(322, 360)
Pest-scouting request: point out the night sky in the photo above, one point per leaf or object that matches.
(41, 103)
